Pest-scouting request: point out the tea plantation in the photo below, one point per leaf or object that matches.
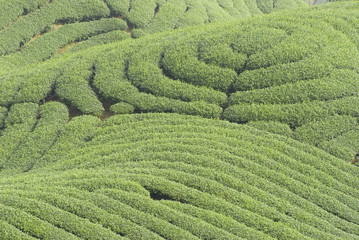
(179, 119)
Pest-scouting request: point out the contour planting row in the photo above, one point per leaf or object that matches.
(22, 21)
(267, 66)
(157, 15)
(264, 185)
(54, 42)
(336, 134)
(22, 30)
(13, 10)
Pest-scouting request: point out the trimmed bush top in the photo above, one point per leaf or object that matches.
(153, 176)
(233, 126)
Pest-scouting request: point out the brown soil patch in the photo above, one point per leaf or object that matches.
(129, 32)
(61, 50)
(107, 113)
(57, 26)
(35, 37)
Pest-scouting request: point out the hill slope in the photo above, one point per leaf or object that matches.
(188, 153)
(40, 29)
(283, 60)
(155, 176)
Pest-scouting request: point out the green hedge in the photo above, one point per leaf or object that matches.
(76, 134)
(48, 44)
(293, 114)
(54, 215)
(122, 108)
(141, 12)
(111, 81)
(3, 113)
(53, 117)
(111, 176)
(272, 127)
(325, 129)
(12, 10)
(73, 87)
(222, 56)
(167, 16)
(180, 62)
(31, 225)
(42, 20)
(118, 7)
(195, 15)
(8, 231)
(344, 146)
(148, 77)
(105, 38)
(19, 123)
(338, 84)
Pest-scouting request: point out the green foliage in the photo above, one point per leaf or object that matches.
(338, 84)
(266, 6)
(112, 81)
(75, 134)
(3, 113)
(325, 129)
(105, 38)
(11, 10)
(42, 20)
(118, 7)
(73, 87)
(146, 176)
(122, 108)
(53, 117)
(149, 78)
(158, 15)
(141, 12)
(8, 231)
(223, 56)
(167, 16)
(258, 39)
(164, 173)
(181, 62)
(293, 114)
(217, 220)
(19, 123)
(272, 127)
(344, 146)
(196, 14)
(31, 225)
(48, 44)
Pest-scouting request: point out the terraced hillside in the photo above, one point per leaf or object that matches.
(236, 125)
(298, 68)
(167, 176)
(33, 31)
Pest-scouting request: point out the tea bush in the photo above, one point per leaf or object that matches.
(147, 176)
(42, 20)
(11, 10)
(122, 108)
(176, 163)
(47, 45)
(325, 129)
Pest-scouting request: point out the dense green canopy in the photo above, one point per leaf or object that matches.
(216, 122)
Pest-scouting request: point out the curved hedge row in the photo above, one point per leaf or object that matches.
(22, 30)
(272, 59)
(12, 10)
(344, 146)
(23, 22)
(295, 114)
(49, 44)
(170, 176)
(156, 15)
